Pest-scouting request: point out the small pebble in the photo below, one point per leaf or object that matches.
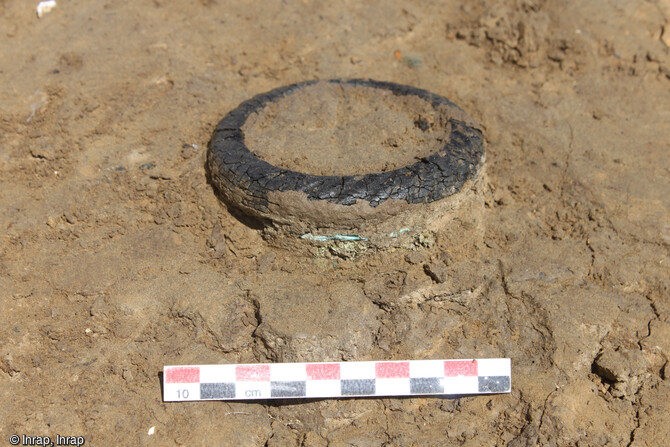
(43, 8)
(52, 221)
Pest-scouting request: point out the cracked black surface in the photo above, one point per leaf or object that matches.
(233, 166)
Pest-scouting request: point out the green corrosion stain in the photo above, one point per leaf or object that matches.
(334, 237)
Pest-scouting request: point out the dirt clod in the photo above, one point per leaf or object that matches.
(437, 271)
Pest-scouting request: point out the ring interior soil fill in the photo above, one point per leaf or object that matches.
(343, 161)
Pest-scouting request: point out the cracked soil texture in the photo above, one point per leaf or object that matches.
(116, 257)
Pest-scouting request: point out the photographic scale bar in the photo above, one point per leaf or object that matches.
(336, 380)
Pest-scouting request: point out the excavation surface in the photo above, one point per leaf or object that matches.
(117, 258)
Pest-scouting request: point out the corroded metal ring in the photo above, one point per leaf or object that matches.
(252, 184)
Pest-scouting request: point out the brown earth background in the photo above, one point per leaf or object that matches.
(116, 257)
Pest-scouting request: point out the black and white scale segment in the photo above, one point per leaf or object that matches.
(333, 380)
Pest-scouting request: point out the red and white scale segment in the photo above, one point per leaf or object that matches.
(333, 380)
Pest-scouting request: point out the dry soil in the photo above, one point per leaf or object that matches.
(116, 257)
(331, 129)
